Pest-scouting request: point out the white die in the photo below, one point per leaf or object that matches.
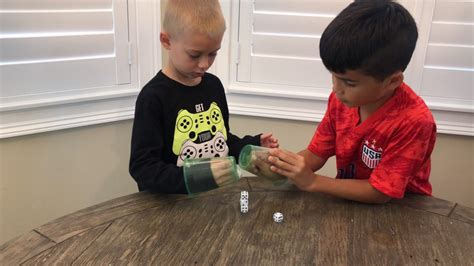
(278, 217)
(244, 205)
(244, 194)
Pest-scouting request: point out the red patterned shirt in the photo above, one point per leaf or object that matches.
(391, 148)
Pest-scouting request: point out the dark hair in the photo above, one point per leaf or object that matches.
(376, 37)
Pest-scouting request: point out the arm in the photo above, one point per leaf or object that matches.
(236, 144)
(351, 189)
(147, 166)
(313, 161)
(299, 168)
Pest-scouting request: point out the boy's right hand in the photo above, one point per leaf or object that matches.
(294, 167)
(269, 141)
(222, 172)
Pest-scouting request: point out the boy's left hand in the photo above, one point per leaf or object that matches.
(268, 140)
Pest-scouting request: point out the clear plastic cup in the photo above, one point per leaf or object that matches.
(209, 173)
(254, 159)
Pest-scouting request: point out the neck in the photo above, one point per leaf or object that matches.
(366, 110)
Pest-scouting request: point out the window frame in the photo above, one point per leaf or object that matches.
(262, 100)
(95, 107)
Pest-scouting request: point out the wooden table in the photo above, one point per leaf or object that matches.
(143, 228)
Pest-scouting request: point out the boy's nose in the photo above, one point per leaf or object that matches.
(337, 89)
(204, 63)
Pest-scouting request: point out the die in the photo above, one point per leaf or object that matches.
(278, 217)
(244, 194)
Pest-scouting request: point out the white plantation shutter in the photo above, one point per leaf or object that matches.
(448, 72)
(275, 69)
(70, 63)
(280, 45)
(51, 46)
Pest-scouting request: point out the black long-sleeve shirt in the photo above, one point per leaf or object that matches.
(174, 122)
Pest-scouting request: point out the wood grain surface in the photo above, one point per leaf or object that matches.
(208, 228)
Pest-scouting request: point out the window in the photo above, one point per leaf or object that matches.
(71, 63)
(274, 68)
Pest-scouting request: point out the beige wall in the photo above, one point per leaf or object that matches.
(45, 176)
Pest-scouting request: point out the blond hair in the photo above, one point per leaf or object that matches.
(202, 16)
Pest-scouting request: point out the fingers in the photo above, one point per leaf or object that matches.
(281, 171)
(265, 136)
(224, 179)
(268, 140)
(285, 155)
(222, 171)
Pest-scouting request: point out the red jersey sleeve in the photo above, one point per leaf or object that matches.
(323, 142)
(406, 157)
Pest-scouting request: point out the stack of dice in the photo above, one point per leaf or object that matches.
(244, 201)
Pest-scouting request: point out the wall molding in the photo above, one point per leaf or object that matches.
(64, 122)
(452, 118)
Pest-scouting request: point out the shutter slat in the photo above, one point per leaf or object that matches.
(462, 34)
(447, 83)
(450, 56)
(294, 72)
(286, 46)
(318, 7)
(24, 23)
(47, 48)
(18, 80)
(54, 4)
(454, 11)
(273, 23)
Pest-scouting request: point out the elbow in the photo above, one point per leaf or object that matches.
(379, 197)
(381, 200)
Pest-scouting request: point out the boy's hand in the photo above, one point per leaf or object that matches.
(267, 140)
(222, 172)
(293, 166)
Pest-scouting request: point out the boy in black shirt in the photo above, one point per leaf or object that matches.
(182, 112)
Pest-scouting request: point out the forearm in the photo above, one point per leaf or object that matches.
(352, 189)
(236, 143)
(157, 176)
(312, 160)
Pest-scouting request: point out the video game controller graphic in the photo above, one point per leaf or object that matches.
(215, 147)
(191, 127)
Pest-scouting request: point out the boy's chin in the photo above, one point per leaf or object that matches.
(348, 104)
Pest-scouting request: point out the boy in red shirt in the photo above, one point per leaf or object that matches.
(381, 132)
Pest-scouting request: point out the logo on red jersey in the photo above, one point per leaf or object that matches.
(371, 156)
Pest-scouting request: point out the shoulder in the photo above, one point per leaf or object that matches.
(211, 78)
(155, 89)
(212, 81)
(410, 114)
(413, 108)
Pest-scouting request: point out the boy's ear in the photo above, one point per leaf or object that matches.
(165, 40)
(396, 79)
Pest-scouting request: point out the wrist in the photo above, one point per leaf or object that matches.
(313, 185)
